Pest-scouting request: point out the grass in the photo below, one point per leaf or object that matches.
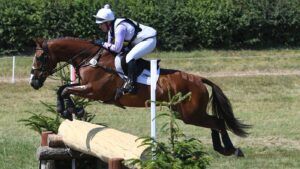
(23, 66)
(231, 61)
(270, 103)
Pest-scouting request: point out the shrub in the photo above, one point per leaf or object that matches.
(181, 24)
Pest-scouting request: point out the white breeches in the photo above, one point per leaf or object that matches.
(141, 49)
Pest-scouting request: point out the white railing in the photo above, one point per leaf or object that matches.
(5, 63)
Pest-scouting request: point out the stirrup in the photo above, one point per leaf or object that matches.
(122, 91)
(129, 87)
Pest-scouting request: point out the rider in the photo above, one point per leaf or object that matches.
(126, 35)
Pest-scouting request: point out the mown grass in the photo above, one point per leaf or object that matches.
(270, 103)
(231, 61)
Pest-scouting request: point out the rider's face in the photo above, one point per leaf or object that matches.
(104, 27)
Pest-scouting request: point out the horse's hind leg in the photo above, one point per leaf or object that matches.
(217, 126)
(228, 148)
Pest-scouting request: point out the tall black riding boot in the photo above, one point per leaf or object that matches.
(129, 85)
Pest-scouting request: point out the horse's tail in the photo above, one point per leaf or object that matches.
(221, 107)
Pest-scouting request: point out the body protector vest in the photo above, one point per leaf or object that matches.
(141, 32)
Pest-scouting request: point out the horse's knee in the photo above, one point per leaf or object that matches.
(60, 89)
(65, 92)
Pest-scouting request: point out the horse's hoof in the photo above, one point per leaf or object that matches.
(79, 112)
(67, 115)
(238, 153)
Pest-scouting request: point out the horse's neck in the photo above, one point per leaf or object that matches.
(73, 53)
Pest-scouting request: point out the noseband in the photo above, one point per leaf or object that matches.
(43, 59)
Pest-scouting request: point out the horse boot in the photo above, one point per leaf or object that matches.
(130, 83)
(79, 112)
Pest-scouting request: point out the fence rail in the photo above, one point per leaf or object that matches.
(14, 69)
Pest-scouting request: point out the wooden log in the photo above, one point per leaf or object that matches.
(55, 140)
(48, 153)
(100, 141)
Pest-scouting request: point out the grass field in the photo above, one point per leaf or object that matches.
(263, 86)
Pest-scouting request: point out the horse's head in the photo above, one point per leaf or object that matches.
(41, 67)
(48, 53)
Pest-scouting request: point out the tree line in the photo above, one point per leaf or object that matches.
(181, 24)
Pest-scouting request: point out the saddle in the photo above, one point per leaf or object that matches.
(142, 65)
(143, 68)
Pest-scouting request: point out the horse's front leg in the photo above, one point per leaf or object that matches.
(75, 89)
(60, 105)
(78, 90)
(65, 105)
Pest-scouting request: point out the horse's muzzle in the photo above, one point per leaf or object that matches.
(36, 83)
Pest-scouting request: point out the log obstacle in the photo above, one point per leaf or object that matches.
(100, 141)
(54, 154)
(82, 140)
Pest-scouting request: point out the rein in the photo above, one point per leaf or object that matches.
(71, 60)
(45, 56)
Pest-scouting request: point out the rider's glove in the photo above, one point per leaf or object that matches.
(99, 42)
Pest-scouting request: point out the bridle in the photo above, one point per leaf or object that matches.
(42, 59)
(45, 56)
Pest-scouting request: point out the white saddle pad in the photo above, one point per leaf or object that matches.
(143, 78)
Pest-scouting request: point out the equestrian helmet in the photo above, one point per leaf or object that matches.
(104, 14)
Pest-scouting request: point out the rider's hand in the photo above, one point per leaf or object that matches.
(99, 42)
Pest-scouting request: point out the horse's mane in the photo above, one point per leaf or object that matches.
(83, 43)
(71, 38)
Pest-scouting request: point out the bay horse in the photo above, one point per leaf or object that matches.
(101, 83)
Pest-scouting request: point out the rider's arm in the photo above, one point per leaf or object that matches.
(119, 39)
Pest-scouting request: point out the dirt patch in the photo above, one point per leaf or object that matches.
(272, 142)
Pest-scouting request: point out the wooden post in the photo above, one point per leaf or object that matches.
(116, 163)
(47, 164)
(13, 70)
(44, 139)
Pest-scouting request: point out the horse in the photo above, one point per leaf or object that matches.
(101, 83)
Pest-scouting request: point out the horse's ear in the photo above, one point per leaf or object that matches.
(39, 41)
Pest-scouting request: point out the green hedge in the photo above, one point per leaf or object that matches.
(181, 24)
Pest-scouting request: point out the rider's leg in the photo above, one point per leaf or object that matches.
(141, 49)
(138, 51)
(129, 85)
